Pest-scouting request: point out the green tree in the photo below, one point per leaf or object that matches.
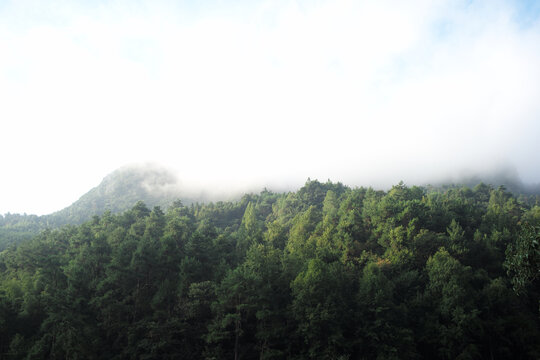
(523, 257)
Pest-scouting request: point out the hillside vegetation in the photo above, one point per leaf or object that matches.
(119, 191)
(327, 272)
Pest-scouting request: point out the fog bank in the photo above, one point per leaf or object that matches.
(235, 95)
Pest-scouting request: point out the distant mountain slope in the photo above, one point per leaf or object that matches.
(117, 192)
(158, 186)
(506, 176)
(120, 190)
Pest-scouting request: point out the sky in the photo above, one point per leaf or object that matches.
(233, 94)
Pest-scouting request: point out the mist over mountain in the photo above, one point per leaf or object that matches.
(118, 191)
(121, 189)
(157, 185)
(504, 175)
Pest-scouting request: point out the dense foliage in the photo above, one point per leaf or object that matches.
(118, 192)
(327, 272)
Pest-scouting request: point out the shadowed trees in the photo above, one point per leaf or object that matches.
(326, 272)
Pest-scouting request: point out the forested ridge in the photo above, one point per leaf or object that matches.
(117, 192)
(326, 272)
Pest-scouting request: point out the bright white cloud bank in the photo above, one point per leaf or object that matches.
(263, 92)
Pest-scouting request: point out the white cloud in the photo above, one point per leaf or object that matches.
(353, 91)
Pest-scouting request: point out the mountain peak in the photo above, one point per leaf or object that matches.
(120, 190)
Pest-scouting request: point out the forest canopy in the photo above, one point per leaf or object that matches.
(326, 272)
